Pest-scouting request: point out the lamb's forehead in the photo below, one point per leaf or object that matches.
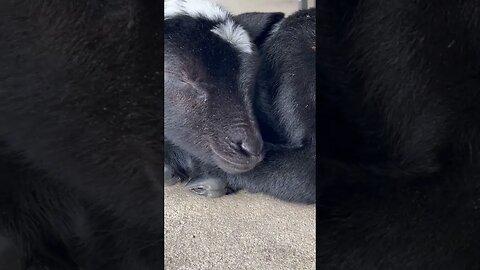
(225, 28)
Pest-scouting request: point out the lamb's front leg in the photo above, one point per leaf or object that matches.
(285, 173)
(202, 185)
(169, 176)
(181, 167)
(208, 186)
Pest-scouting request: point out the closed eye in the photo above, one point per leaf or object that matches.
(195, 88)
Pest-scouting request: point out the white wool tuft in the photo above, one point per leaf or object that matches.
(195, 8)
(226, 28)
(235, 35)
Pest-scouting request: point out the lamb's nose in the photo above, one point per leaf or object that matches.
(252, 145)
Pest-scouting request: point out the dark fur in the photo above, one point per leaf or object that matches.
(53, 227)
(81, 132)
(399, 135)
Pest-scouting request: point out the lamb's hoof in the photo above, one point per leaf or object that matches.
(208, 186)
(169, 178)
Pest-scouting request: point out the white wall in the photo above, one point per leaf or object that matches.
(240, 6)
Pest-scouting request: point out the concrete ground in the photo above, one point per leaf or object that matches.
(239, 231)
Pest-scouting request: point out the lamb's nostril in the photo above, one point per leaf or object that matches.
(252, 147)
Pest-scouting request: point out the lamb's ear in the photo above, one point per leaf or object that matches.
(258, 24)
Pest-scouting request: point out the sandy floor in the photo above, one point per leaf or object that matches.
(240, 231)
